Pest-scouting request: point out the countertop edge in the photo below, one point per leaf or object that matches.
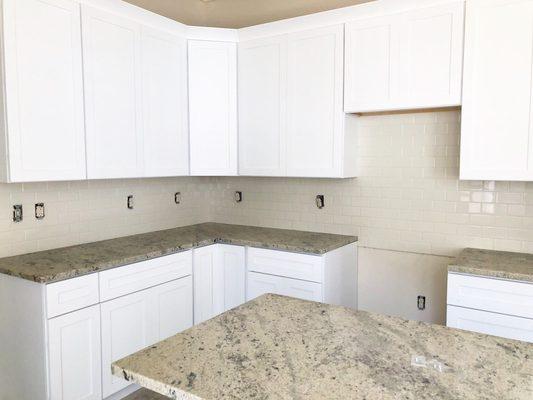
(484, 273)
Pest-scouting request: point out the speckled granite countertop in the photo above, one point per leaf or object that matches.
(496, 264)
(68, 262)
(282, 348)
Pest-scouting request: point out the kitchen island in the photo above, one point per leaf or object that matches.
(282, 348)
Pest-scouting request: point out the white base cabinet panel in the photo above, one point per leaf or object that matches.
(219, 280)
(259, 284)
(74, 355)
(138, 320)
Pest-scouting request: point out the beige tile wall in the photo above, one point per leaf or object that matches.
(408, 196)
(86, 211)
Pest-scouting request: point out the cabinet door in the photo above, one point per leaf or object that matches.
(166, 131)
(208, 293)
(74, 354)
(112, 95)
(126, 328)
(232, 261)
(262, 106)
(431, 56)
(259, 284)
(496, 141)
(44, 90)
(372, 56)
(315, 119)
(213, 107)
(490, 323)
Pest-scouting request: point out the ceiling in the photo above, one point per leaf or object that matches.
(238, 13)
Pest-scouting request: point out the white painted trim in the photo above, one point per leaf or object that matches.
(212, 34)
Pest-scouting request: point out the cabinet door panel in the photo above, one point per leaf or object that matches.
(112, 95)
(74, 353)
(496, 115)
(166, 132)
(232, 260)
(431, 55)
(262, 98)
(259, 284)
(44, 90)
(315, 120)
(490, 323)
(213, 107)
(173, 305)
(372, 52)
(207, 296)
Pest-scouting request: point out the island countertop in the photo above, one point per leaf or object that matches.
(283, 348)
(68, 262)
(495, 264)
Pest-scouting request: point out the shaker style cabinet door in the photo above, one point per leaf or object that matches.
(213, 107)
(262, 106)
(496, 129)
(166, 130)
(43, 91)
(315, 118)
(259, 284)
(112, 61)
(74, 354)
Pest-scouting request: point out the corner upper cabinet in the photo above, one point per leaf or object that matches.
(213, 107)
(405, 61)
(41, 99)
(112, 60)
(164, 94)
(496, 132)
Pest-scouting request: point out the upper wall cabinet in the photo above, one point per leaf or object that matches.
(136, 98)
(112, 57)
(213, 107)
(41, 112)
(497, 134)
(405, 61)
(291, 120)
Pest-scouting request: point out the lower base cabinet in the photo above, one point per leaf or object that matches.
(138, 320)
(259, 284)
(74, 354)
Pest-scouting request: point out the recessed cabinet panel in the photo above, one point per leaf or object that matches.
(496, 117)
(259, 284)
(112, 61)
(213, 107)
(315, 121)
(262, 98)
(166, 131)
(43, 90)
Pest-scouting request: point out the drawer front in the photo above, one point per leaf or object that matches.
(504, 297)
(70, 295)
(259, 284)
(134, 277)
(490, 323)
(290, 265)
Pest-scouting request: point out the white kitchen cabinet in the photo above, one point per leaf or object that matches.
(291, 119)
(219, 280)
(213, 107)
(330, 278)
(165, 116)
(404, 61)
(492, 306)
(74, 355)
(496, 129)
(262, 106)
(41, 96)
(259, 284)
(112, 67)
(140, 319)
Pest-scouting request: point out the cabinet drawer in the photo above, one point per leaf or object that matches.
(490, 323)
(132, 278)
(70, 295)
(259, 284)
(290, 265)
(504, 297)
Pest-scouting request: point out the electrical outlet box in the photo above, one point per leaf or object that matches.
(421, 302)
(177, 197)
(238, 197)
(17, 213)
(39, 211)
(320, 201)
(130, 202)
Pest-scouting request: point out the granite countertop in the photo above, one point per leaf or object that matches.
(496, 264)
(283, 348)
(68, 262)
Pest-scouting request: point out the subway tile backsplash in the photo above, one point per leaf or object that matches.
(408, 198)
